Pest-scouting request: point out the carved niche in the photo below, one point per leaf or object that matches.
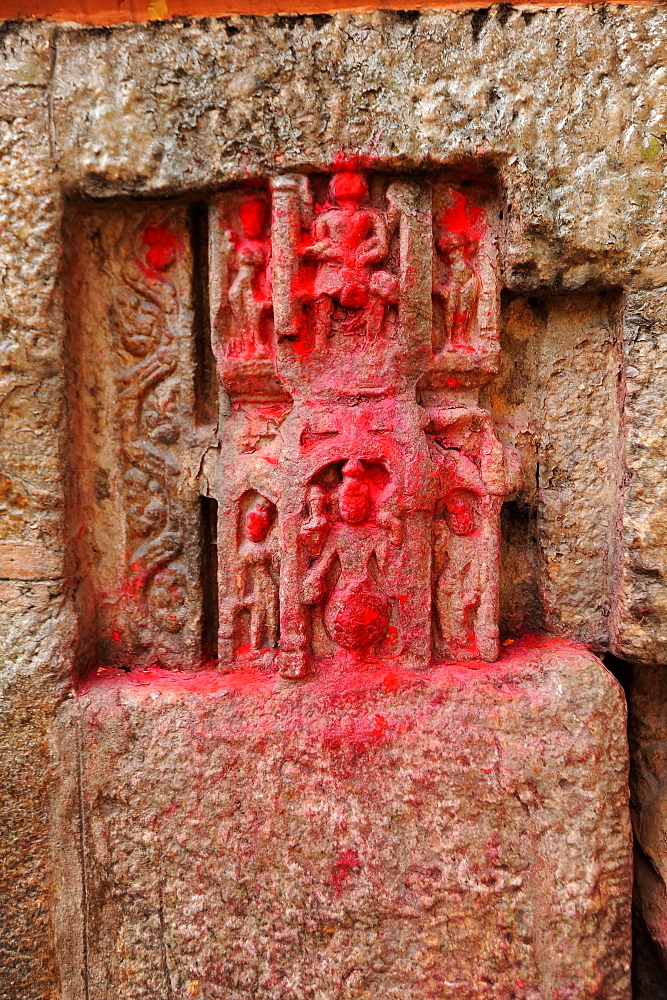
(359, 485)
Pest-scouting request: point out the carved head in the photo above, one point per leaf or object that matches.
(460, 227)
(253, 218)
(459, 515)
(163, 245)
(354, 500)
(259, 519)
(349, 188)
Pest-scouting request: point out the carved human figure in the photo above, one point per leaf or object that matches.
(458, 568)
(348, 240)
(146, 509)
(459, 290)
(256, 589)
(167, 597)
(250, 291)
(477, 473)
(356, 612)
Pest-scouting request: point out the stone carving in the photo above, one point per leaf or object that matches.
(476, 474)
(351, 558)
(241, 270)
(250, 291)
(147, 411)
(256, 586)
(465, 338)
(381, 537)
(346, 244)
(460, 285)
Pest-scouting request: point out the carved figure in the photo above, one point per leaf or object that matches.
(460, 290)
(250, 292)
(167, 597)
(356, 611)
(477, 474)
(348, 241)
(256, 589)
(458, 582)
(146, 512)
(389, 498)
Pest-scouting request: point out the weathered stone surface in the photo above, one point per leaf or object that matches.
(134, 515)
(224, 99)
(558, 400)
(641, 609)
(567, 106)
(36, 624)
(380, 834)
(647, 729)
(583, 179)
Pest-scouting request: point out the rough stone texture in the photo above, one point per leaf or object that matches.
(583, 178)
(377, 834)
(36, 623)
(641, 612)
(647, 728)
(134, 516)
(567, 105)
(558, 400)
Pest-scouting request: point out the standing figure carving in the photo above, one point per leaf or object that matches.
(458, 561)
(460, 287)
(349, 240)
(256, 575)
(250, 291)
(477, 473)
(358, 547)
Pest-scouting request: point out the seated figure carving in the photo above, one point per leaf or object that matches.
(349, 240)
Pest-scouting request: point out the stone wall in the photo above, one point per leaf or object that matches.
(564, 108)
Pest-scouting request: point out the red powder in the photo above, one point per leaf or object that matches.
(164, 246)
(461, 219)
(346, 863)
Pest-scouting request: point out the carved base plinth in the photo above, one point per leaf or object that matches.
(458, 834)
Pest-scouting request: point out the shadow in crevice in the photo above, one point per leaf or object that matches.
(649, 975)
(649, 971)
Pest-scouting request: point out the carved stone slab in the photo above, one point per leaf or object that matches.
(135, 518)
(354, 318)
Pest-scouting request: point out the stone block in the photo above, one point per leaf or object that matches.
(373, 834)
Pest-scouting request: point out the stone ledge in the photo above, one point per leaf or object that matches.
(463, 833)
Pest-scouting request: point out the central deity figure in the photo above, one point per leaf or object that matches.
(349, 240)
(356, 613)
